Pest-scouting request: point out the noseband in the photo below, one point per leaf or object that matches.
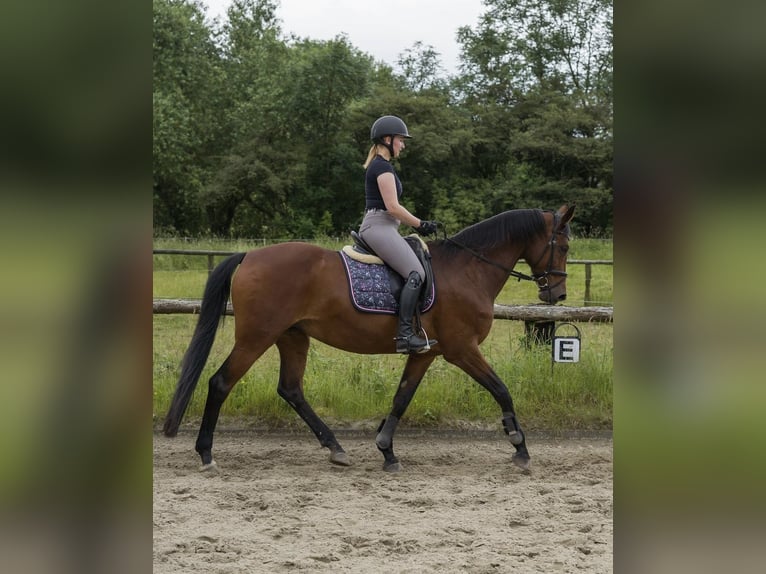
(541, 279)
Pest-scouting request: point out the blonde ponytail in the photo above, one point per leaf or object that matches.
(371, 155)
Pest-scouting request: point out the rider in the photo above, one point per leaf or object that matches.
(380, 226)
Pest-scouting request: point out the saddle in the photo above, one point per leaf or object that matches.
(375, 287)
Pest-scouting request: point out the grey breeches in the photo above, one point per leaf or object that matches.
(381, 232)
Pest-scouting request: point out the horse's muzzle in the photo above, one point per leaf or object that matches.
(551, 296)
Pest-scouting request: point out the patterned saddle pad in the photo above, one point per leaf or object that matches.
(375, 288)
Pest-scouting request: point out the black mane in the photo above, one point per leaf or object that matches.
(518, 225)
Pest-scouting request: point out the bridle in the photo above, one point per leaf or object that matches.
(541, 279)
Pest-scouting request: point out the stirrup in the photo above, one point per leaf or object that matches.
(403, 345)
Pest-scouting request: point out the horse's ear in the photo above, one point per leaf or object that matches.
(566, 214)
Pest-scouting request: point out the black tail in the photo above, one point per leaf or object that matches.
(213, 307)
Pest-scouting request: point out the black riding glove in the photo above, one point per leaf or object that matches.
(426, 227)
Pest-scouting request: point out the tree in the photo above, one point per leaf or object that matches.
(520, 44)
(537, 75)
(260, 135)
(421, 69)
(185, 72)
(250, 169)
(254, 60)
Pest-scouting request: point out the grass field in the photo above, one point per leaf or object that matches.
(348, 389)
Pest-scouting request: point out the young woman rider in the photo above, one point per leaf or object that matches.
(380, 226)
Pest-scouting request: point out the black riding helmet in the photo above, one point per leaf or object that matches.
(388, 126)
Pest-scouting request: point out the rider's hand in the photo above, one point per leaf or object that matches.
(427, 227)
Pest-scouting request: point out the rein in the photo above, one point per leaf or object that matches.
(536, 277)
(480, 257)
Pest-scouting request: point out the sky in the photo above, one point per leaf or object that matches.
(382, 29)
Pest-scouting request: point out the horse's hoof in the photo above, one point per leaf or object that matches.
(210, 469)
(340, 458)
(392, 466)
(521, 460)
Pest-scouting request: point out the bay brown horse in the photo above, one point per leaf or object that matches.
(286, 294)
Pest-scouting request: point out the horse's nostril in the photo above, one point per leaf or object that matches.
(562, 296)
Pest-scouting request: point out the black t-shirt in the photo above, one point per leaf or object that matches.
(372, 197)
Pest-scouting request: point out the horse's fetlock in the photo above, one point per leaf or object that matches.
(513, 429)
(516, 437)
(385, 437)
(383, 442)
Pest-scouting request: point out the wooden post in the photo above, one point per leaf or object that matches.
(586, 302)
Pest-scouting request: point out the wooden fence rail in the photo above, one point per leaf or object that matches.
(526, 313)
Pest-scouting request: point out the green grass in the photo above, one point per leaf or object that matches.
(347, 389)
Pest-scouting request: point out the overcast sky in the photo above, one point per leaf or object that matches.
(381, 29)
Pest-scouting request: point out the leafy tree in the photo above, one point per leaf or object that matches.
(252, 166)
(254, 60)
(185, 73)
(554, 136)
(537, 75)
(260, 135)
(520, 44)
(421, 69)
(326, 78)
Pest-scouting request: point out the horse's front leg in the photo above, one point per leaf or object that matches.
(474, 364)
(416, 367)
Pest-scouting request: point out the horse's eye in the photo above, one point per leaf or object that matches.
(564, 249)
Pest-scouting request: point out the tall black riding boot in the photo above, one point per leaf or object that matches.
(406, 340)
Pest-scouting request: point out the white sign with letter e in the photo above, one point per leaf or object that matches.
(566, 349)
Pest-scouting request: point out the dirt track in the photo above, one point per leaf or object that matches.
(278, 505)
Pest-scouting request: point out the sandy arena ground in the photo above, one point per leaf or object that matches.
(459, 505)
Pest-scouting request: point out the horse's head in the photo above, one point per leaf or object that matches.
(549, 255)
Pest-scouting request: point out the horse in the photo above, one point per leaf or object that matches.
(288, 293)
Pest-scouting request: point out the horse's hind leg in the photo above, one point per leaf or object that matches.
(293, 348)
(232, 370)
